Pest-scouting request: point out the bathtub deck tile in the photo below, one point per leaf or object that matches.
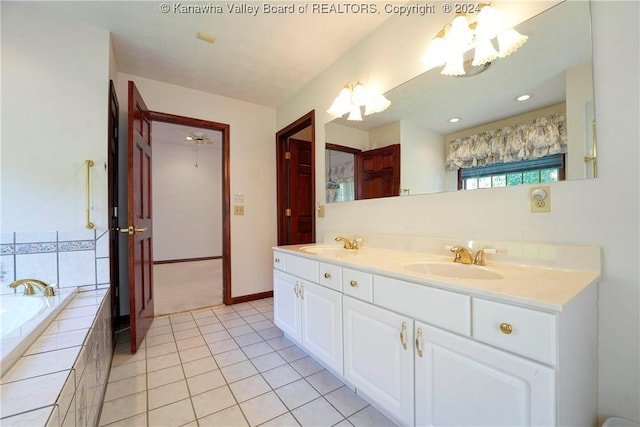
(42, 364)
(57, 342)
(18, 396)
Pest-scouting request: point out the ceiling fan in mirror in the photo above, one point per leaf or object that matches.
(198, 138)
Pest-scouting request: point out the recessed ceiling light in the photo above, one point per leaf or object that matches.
(523, 97)
(205, 37)
(454, 119)
(189, 138)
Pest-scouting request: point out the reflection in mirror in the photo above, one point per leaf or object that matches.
(340, 173)
(554, 67)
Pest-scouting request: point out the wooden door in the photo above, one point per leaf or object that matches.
(296, 192)
(113, 197)
(139, 217)
(378, 172)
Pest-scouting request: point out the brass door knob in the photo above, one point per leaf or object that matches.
(506, 328)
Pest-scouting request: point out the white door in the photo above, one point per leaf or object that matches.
(286, 308)
(378, 356)
(322, 324)
(460, 382)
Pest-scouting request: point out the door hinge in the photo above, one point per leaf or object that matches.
(287, 155)
(287, 212)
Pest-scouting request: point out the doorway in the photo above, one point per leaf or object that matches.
(219, 132)
(187, 217)
(295, 163)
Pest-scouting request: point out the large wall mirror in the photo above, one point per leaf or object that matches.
(554, 66)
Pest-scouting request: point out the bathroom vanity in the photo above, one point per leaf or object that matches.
(430, 342)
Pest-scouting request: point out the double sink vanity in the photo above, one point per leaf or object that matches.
(433, 342)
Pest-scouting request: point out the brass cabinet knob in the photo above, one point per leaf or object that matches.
(327, 275)
(353, 283)
(506, 328)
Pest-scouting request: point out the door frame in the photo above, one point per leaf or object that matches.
(224, 128)
(308, 120)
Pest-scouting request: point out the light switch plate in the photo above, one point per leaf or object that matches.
(238, 210)
(540, 198)
(320, 211)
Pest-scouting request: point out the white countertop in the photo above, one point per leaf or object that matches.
(535, 286)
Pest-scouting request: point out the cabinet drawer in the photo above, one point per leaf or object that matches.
(331, 276)
(530, 333)
(357, 284)
(279, 261)
(303, 268)
(448, 310)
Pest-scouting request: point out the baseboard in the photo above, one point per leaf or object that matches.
(172, 261)
(251, 297)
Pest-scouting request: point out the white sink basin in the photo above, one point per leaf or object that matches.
(453, 270)
(324, 249)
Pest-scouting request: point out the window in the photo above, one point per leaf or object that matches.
(542, 170)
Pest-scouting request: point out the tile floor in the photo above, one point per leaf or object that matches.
(226, 366)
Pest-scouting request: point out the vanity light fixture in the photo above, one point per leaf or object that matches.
(354, 96)
(453, 40)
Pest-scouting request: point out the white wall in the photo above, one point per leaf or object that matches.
(579, 118)
(187, 201)
(55, 86)
(601, 212)
(252, 169)
(422, 153)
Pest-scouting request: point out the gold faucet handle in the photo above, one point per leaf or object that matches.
(479, 259)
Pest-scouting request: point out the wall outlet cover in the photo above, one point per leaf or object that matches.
(540, 198)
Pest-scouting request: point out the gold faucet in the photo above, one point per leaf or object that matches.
(348, 244)
(462, 255)
(28, 284)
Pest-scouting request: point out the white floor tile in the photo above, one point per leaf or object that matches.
(173, 415)
(125, 387)
(249, 388)
(230, 417)
(263, 408)
(281, 375)
(306, 366)
(318, 413)
(168, 393)
(324, 381)
(165, 376)
(346, 401)
(200, 366)
(257, 349)
(123, 408)
(194, 353)
(205, 382)
(212, 401)
(370, 416)
(229, 357)
(239, 371)
(284, 420)
(268, 361)
(162, 362)
(297, 394)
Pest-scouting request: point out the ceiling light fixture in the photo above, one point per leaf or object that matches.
(198, 138)
(453, 40)
(354, 96)
(523, 97)
(454, 120)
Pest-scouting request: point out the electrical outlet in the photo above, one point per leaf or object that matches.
(540, 199)
(238, 210)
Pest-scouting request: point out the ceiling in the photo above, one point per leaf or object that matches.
(263, 59)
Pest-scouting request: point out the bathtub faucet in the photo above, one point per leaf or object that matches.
(28, 284)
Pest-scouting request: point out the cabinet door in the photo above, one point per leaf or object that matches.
(460, 382)
(286, 308)
(322, 324)
(378, 356)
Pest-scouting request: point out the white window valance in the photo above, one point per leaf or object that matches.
(524, 141)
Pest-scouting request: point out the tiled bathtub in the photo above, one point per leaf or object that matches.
(61, 378)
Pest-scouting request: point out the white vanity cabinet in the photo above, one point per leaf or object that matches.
(309, 313)
(428, 354)
(460, 382)
(378, 356)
